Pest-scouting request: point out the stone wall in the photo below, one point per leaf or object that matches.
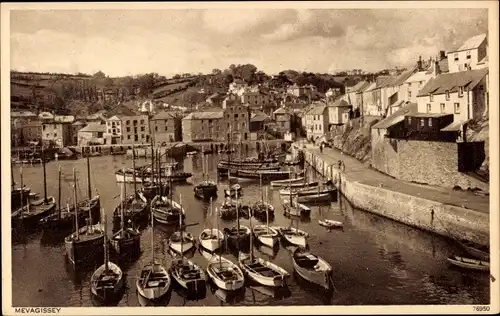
(446, 220)
(433, 163)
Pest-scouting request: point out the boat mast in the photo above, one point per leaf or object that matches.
(122, 219)
(106, 268)
(158, 158)
(251, 239)
(13, 184)
(218, 240)
(133, 174)
(89, 189)
(203, 162)
(22, 191)
(44, 178)
(58, 195)
(153, 231)
(267, 212)
(181, 228)
(261, 192)
(76, 205)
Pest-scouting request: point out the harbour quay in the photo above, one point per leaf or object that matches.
(459, 215)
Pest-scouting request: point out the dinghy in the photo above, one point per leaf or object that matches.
(225, 274)
(211, 238)
(266, 235)
(328, 223)
(294, 236)
(475, 250)
(188, 275)
(469, 263)
(181, 242)
(296, 208)
(312, 268)
(287, 182)
(263, 272)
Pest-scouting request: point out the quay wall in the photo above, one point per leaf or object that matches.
(446, 220)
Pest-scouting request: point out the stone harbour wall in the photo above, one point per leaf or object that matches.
(446, 220)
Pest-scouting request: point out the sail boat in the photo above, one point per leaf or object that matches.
(266, 235)
(262, 271)
(30, 215)
(107, 281)
(231, 190)
(312, 268)
(127, 241)
(62, 220)
(237, 233)
(262, 210)
(85, 243)
(135, 205)
(187, 273)
(153, 281)
(18, 196)
(225, 274)
(206, 189)
(211, 238)
(180, 241)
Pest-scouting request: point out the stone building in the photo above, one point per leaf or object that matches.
(166, 127)
(204, 126)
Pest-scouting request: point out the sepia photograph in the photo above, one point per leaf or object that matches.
(322, 157)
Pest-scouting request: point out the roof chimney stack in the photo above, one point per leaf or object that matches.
(442, 54)
(435, 69)
(419, 63)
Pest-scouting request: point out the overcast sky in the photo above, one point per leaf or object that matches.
(127, 42)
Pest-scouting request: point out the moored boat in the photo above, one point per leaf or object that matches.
(475, 250)
(29, 216)
(211, 239)
(232, 190)
(315, 198)
(262, 271)
(206, 190)
(328, 223)
(166, 211)
(287, 182)
(294, 236)
(188, 275)
(225, 274)
(312, 268)
(264, 174)
(181, 243)
(295, 208)
(467, 263)
(266, 235)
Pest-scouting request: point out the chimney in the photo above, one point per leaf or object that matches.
(435, 69)
(442, 55)
(419, 63)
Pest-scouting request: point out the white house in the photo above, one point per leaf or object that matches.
(470, 55)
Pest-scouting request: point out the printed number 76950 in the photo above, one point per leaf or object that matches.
(481, 308)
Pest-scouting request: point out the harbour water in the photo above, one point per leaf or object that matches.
(375, 261)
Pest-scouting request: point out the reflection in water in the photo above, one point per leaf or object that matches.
(374, 260)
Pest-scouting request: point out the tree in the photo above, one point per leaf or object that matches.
(176, 76)
(99, 75)
(216, 71)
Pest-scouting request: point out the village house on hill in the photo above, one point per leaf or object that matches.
(316, 121)
(471, 55)
(166, 127)
(92, 134)
(204, 126)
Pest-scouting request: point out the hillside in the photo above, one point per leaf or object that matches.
(478, 131)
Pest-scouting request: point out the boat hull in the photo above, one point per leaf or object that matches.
(205, 192)
(228, 285)
(127, 247)
(212, 244)
(84, 251)
(469, 263)
(31, 219)
(129, 178)
(111, 292)
(321, 278)
(66, 222)
(194, 281)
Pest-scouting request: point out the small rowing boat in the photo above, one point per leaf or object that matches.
(469, 263)
(328, 223)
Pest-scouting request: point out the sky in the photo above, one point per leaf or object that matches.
(129, 42)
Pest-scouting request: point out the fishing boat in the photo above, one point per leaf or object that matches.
(293, 235)
(265, 174)
(129, 175)
(312, 268)
(64, 219)
(18, 196)
(206, 189)
(328, 223)
(225, 274)
(223, 168)
(266, 235)
(85, 243)
(287, 182)
(475, 250)
(166, 211)
(227, 210)
(127, 241)
(262, 271)
(28, 216)
(232, 190)
(188, 275)
(211, 238)
(181, 241)
(238, 233)
(262, 210)
(295, 208)
(302, 191)
(153, 281)
(107, 281)
(315, 198)
(469, 263)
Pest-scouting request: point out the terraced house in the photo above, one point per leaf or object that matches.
(134, 129)
(204, 126)
(166, 127)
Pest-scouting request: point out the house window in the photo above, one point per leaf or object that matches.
(443, 108)
(409, 94)
(128, 129)
(142, 122)
(409, 120)
(468, 55)
(457, 108)
(44, 126)
(142, 135)
(55, 134)
(455, 56)
(118, 131)
(236, 116)
(422, 124)
(420, 84)
(429, 121)
(431, 97)
(143, 128)
(128, 136)
(166, 128)
(409, 84)
(128, 122)
(460, 92)
(99, 134)
(156, 128)
(429, 108)
(447, 95)
(109, 130)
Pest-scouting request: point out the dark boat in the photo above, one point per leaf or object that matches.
(188, 275)
(127, 241)
(232, 190)
(107, 281)
(467, 263)
(475, 250)
(29, 216)
(64, 218)
(266, 175)
(128, 176)
(84, 245)
(166, 211)
(152, 189)
(223, 168)
(18, 196)
(206, 190)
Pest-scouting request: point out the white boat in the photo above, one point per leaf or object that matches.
(263, 272)
(107, 281)
(296, 208)
(469, 263)
(287, 182)
(211, 239)
(266, 235)
(330, 223)
(294, 235)
(153, 281)
(188, 275)
(181, 243)
(312, 268)
(314, 198)
(225, 274)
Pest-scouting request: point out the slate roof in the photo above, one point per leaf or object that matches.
(204, 115)
(91, 128)
(358, 87)
(397, 116)
(403, 76)
(317, 110)
(163, 115)
(282, 111)
(451, 81)
(471, 43)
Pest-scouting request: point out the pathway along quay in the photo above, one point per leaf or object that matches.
(375, 261)
(454, 214)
